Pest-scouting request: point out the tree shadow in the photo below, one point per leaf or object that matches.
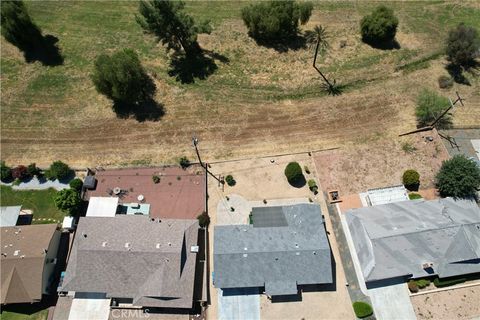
(282, 45)
(457, 72)
(147, 110)
(383, 45)
(45, 50)
(300, 182)
(187, 68)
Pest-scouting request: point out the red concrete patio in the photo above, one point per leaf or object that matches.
(180, 194)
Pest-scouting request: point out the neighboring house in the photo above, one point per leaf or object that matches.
(285, 247)
(9, 216)
(136, 260)
(414, 239)
(28, 262)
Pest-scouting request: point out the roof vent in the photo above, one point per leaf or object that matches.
(22, 256)
(314, 253)
(276, 259)
(84, 234)
(194, 248)
(104, 244)
(245, 248)
(297, 253)
(4, 254)
(245, 255)
(296, 245)
(169, 244)
(127, 245)
(16, 252)
(427, 265)
(157, 246)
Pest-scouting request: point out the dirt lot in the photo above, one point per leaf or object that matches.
(259, 179)
(380, 163)
(258, 101)
(460, 303)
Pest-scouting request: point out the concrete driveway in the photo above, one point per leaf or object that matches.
(239, 304)
(392, 302)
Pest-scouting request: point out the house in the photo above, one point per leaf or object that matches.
(28, 262)
(285, 247)
(136, 261)
(9, 216)
(414, 239)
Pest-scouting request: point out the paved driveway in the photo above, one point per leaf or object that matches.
(392, 302)
(239, 304)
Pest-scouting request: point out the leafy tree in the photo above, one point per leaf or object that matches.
(380, 26)
(173, 27)
(463, 45)
(20, 172)
(68, 200)
(184, 162)
(430, 106)
(275, 19)
(33, 170)
(76, 184)
(458, 177)
(17, 26)
(5, 172)
(58, 170)
(203, 220)
(293, 172)
(122, 78)
(411, 179)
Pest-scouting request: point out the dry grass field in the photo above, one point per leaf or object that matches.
(259, 100)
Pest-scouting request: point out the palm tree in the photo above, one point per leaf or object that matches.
(319, 36)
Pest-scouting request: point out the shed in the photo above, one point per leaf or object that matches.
(90, 182)
(387, 195)
(9, 216)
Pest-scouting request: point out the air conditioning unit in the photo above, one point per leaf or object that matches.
(194, 248)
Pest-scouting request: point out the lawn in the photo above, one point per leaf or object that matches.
(40, 201)
(258, 100)
(11, 315)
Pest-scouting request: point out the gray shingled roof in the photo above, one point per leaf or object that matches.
(9, 216)
(278, 257)
(134, 257)
(396, 239)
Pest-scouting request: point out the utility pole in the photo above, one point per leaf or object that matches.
(432, 125)
(205, 165)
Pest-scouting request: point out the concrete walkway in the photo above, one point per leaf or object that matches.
(239, 304)
(36, 184)
(392, 302)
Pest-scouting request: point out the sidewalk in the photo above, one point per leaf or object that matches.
(36, 184)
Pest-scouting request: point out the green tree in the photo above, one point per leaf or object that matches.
(173, 27)
(76, 184)
(463, 45)
(68, 200)
(430, 106)
(58, 170)
(458, 177)
(122, 78)
(380, 26)
(17, 26)
(275, 20)
(294, 173)
(33, 170)
(5, 172)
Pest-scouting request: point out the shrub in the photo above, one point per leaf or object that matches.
(412, 286)
(411, 179)
(313, 186)
(458, 177)
(362, 309)
(422, 283)
(414, 196)
(429, 107)
(448, 282)
(306, 169)
(293, 172)
(5, 172)
(76, 184)
(68, 200)
(380, 26)
(33, 170)
(230, 181)
(155, 179)
(445, 82)
(16, 182)
(20, 172)
(203, 219)
(463, 45)
(58, 170)
(184, 162)
(408, 147)
(275, 19)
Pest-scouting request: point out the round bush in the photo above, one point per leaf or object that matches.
(293, 172)
(156, 179)
(58, 170)
(458, 177)
(380, 26)
(76, 184)
(230, 181)
(411, 179)
(445, 82)
(412, 286)
(362, 309)
(203, 220)
(5, 172)
(20, 172)
(414, 196)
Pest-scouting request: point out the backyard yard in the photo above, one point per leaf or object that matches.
(258, 100)
(39, 201)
